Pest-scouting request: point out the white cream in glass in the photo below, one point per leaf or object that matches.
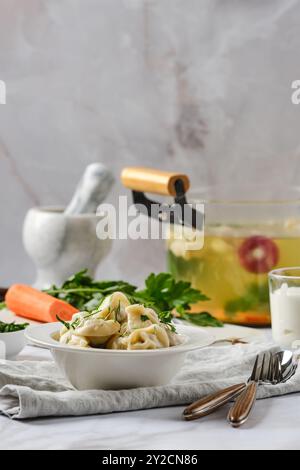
(285, 306)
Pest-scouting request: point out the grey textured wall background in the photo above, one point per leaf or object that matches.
(196, 85)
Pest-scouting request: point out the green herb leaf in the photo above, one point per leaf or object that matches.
(202, 319)
(2, 305)
(66, 324)
(162, 293)
(12, 327)
(81, 291)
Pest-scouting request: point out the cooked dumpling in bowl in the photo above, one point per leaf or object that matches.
(151, 337)
(139, 317)
(97, 327)
(119, 324)
(113, 307)
(73, 340)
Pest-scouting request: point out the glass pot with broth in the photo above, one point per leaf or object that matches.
(249, 231)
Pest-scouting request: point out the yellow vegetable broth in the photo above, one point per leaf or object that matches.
(237, 294)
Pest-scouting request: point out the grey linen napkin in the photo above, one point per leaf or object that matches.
(32, 389)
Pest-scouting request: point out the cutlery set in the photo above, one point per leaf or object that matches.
(268, 369)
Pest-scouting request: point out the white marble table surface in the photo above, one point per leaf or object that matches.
(273, 425)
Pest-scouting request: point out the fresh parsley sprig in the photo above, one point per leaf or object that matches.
(84, 293)
(161, 292)
(166, 294)
(201, 319)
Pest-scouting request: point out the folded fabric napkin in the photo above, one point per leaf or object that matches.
(32, 389)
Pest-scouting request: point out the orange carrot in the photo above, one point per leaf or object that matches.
(25, 301)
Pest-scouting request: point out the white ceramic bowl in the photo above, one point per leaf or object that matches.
(89, 369)
(13, 342)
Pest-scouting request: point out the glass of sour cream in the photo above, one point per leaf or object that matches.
(284, 286)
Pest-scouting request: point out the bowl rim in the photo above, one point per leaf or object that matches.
(13, 332)
(41, 335)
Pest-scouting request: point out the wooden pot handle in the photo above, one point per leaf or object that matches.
(149, 180)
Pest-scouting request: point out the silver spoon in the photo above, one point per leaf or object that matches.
(275, 369)
(283, 368)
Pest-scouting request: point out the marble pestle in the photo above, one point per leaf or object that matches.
(63, 242)
(92, 189)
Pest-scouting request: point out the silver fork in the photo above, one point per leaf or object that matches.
(212, 402)
(281, 367)
(275, 369)
(268, 372)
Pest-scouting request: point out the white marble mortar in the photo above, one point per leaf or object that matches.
(61, 244)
